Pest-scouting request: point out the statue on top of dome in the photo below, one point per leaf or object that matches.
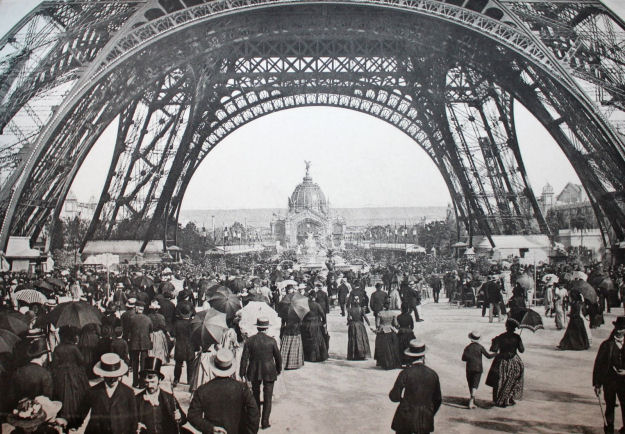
(308, 164)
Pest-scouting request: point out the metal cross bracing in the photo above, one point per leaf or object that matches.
(447, 74)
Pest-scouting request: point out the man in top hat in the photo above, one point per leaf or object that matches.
(112, 404)
(492, 297)
(609, 373)
(224, 405)
(261, 362)
(184, 351)
(158, 411)
(139, 340)
(32, 379)
(418, 391)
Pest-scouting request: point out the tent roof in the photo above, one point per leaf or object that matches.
(119, 247)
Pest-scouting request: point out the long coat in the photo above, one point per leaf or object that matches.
(377, 300)
(184, 348)
(115, 415)
(30, 381)
(168, 309)
(226, 403)
(421, 399)
(261, 359)
(167, 404)
(140, 329)
(609, 359)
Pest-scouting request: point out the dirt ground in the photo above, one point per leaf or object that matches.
(341, 396)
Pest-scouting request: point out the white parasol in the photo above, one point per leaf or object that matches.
(250, 313)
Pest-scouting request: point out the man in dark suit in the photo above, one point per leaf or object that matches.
(609, 373)
(32, 379)
(113, 405)
(168, 310)
(418, 391)
(184, 351)
(261, 363)
(158, 411)
(377, 299)
(224, 405)
(437, 285)
(343, 291)
(410, 298)
(321, 297)
(492, 297)
(127, 316)
(139, 341)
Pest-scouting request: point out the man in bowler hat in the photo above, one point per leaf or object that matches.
(158, 411)
(609, 373)
(418, 391)
(261, 362)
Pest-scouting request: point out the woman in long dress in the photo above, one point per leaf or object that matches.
(313, 332)
(576, 334)
(291, 348)
(202, 371)
(405, 333)
(158, 337)
(506, 372)
(357, 339)
(69, 376)
(558, 306)
(386, 353)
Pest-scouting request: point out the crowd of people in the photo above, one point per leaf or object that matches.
(92, 325)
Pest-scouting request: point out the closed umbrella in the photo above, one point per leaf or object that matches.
(14, 322)
(585, 289)
(31, 296)
(74, 314)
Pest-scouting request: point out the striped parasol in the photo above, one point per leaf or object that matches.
(31, 296)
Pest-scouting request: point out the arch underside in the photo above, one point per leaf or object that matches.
(448, 88)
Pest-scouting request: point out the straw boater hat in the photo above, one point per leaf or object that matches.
(262, 322)
(119, 285)
(131, 302)
(155, 305)
(110, 365)
(416, 348)
(222, 363)
(474, 336)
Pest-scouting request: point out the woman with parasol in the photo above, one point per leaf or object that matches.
(291, 346)
(506, 372)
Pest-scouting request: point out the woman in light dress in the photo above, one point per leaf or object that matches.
(203, 372)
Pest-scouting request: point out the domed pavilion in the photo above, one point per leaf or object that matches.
(308, 215)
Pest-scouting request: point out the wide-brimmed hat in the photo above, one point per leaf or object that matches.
(302, 286)
(28, 415)
(416, 348)
(119, 285)
(51, 302)
(166, 270)
(475, 336)
(36, 348)
(110, 365)
(131, 302)
(619, 324)
(152, 366)
(262, 322)
(155, 305)
(222, 363)
(140, 303)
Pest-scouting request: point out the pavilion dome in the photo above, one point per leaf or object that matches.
(308, 195)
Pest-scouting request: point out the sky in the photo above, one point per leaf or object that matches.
(358, 160)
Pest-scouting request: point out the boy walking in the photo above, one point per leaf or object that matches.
(472, 355)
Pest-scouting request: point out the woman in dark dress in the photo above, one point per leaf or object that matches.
(69, 376)
(357, 339)
(576, 336)
(405, 333)
(506, 372)
(291, 348)
(88, 343)
(313, 332)
(386, 353)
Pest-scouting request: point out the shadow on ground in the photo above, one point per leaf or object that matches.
(502, 424)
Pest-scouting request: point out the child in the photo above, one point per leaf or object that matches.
(473, 356)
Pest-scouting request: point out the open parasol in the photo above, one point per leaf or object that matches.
(217, 289)
(166, 286)
(56, 282)
(252, 311)
(607, 284)
(74, 314)
(526, 282)
(585, 289)
(580, 275)
(531, 320)
(143, 282)
(547, 278)
(14, 322)
(284, 283)
(294, 303)
(44, 286)
(31, 296)
(8, 341)
(208, 327)
(226, 303)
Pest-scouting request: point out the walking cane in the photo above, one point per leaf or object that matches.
(601, 407)
(171, 386)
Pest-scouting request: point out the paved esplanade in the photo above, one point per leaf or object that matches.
(341, 396)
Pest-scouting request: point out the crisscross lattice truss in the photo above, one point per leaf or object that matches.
(180, 75)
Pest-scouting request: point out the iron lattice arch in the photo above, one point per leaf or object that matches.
(178, 78)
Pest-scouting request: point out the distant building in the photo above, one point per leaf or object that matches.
(308, 213)
(72, 208)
